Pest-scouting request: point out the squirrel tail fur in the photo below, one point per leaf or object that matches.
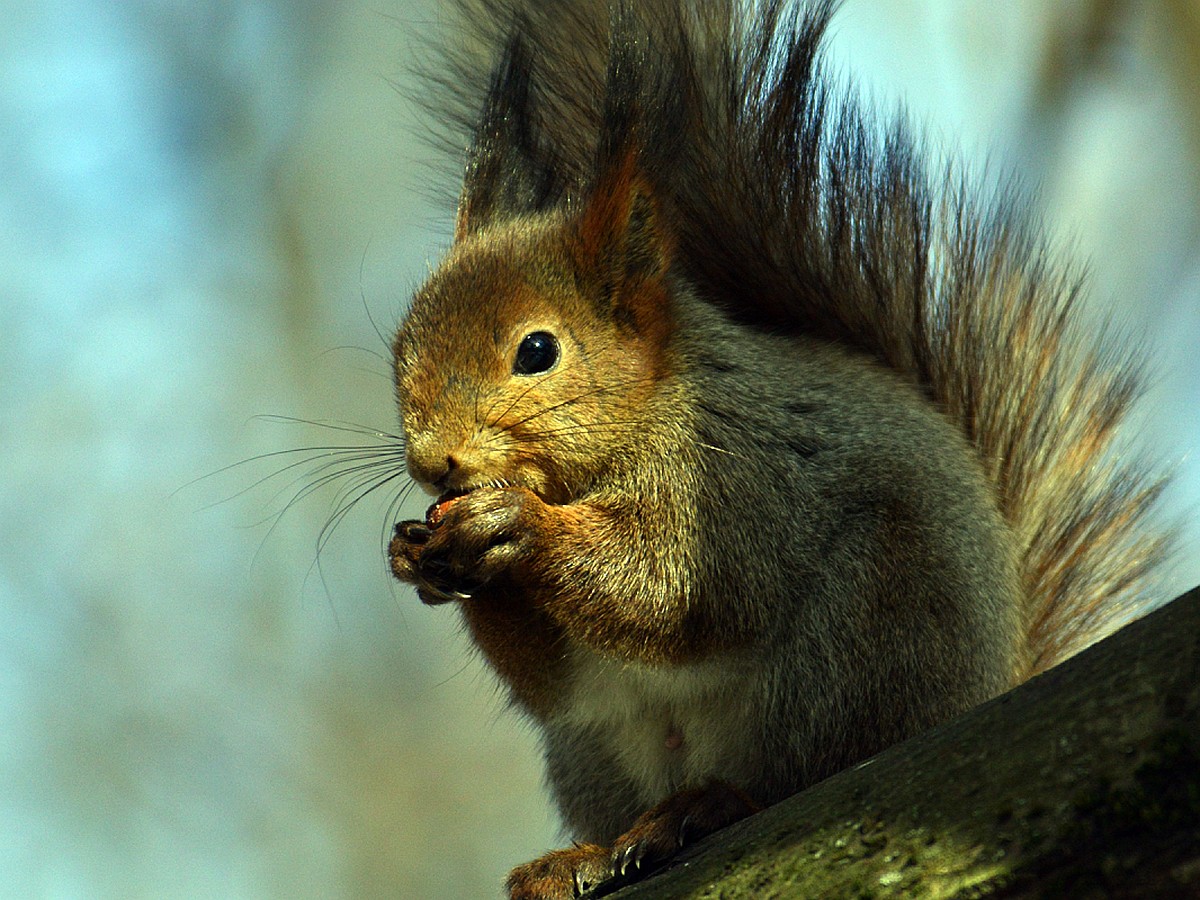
(794, 210)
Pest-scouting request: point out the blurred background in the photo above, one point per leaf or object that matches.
(210, 212)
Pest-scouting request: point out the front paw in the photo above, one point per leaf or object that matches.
(481, 536)
(404, 550)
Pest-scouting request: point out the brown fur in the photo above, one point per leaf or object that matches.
(823, 458)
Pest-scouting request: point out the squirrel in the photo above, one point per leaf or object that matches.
(756, 448)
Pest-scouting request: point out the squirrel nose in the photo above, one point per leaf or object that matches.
(449, 465)
(431, 466)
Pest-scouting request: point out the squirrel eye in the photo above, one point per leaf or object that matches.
(537, 353)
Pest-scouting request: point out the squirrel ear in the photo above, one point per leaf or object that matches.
(507, 172)
(622, 247)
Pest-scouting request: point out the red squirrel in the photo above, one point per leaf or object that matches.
(757, 449)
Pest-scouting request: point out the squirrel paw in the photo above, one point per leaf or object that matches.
(681, 819)
(404, 553)
(561, 874)
(655, 837)
(405, 548)
(482, 535)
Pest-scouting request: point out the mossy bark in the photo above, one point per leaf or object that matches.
(1083, 782)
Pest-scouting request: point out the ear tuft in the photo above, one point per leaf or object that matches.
(508, 171)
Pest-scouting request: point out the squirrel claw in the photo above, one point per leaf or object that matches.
(628, 856)
(413, 531)
(582, 885)
(433, 596)
(682, 837)
(438, 578)
(434, 564)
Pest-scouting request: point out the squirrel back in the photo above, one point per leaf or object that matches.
(793, 210)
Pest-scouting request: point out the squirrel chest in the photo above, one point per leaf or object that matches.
(663, 727)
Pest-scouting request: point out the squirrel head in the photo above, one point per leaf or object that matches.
(529, 357)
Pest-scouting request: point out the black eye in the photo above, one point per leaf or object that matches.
(537, 353)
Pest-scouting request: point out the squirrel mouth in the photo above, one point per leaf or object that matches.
(437, 511)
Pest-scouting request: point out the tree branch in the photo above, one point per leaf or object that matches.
(1083, 782)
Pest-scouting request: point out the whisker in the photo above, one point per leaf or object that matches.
(337, 425)
(318, 450)
(375, 353)
(338, 516)
(335, 455)
(570, 400)
(352, 471)
(705, 446)
(346, 503)
(362, 264)
(391, 514)
(583, 427)
(573, 434)
(521, 396)
(633, 426)
(313, 486)
(317, 484)
(321, 475)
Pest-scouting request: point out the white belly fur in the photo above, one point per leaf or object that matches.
(670, 727)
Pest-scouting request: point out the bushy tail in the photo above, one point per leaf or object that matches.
(794, 209)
